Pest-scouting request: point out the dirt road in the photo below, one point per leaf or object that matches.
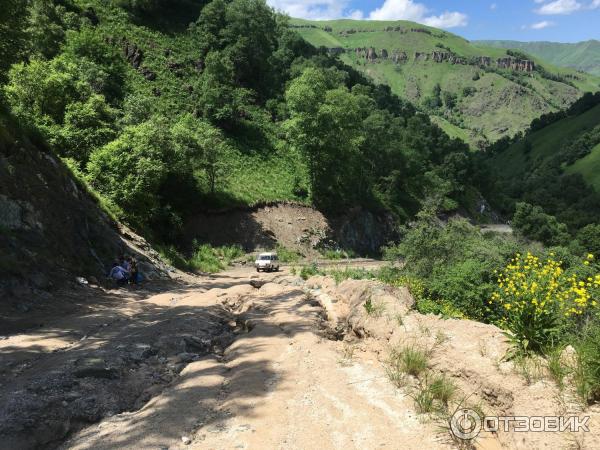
(168, 360)
(251, 361)
(283, 384)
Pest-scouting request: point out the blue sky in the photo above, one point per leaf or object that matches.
(526, 20)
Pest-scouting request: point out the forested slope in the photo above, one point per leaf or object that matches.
(169, 108)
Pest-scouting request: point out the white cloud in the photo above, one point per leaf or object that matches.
(418, 12)
(595, 4)
(559, 7)
(311, 9)
(541, 25)
(494, 6)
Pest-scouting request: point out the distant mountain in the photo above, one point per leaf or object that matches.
(583, 56)
(479, 94)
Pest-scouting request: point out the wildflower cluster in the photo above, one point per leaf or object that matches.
(534, 296)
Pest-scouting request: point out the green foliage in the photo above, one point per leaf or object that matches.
(131, 170)
(589, 238)
(537, 300)
(455, 263)
(13, 19)
(408, 360)
(287, 255)
(203, 145)
(308, 271)
(533, 223)
(210, 259)
(587, 368)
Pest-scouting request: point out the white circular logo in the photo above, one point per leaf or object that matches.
(465, 424)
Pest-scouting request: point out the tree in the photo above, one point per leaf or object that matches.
(87, 125)
(131, 169)
(203, 145)
(533, 223)
(326, 126)
(589, 238)
(13, 19)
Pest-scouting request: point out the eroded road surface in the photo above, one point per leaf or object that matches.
(242, 360)
(282, 383)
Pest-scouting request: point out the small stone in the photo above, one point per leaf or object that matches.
(186, 440)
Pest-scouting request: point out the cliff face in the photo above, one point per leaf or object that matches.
(372, 55)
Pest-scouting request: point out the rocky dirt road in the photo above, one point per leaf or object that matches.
(240, 360)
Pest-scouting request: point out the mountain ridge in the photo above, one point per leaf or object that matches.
(479, 94)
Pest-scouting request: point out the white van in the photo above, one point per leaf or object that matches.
(267, 262)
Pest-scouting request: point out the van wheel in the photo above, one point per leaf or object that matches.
(257, 269)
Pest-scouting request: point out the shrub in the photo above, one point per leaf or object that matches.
(308, 271)
(214, 259)
(535, 299)
(286, 255)
(533, 223)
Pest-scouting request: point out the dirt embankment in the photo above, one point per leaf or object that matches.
(240, 360)
(52, 232)
(298, 227)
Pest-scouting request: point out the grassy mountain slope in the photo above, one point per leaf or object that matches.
(584, 56)
(546, 143)
(489, 102)
(556, 166)
(589, 168)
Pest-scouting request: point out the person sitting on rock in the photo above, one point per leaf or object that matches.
(118, 274)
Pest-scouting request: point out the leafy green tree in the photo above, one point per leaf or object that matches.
(326, 126)
(533, 223)
(219, 99)
(48, 21)
(131, 169)
(87, 125)
(13, 38)
(589, 239)
(203, 145)
(40, 91)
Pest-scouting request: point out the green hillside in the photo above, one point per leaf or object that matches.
(462, 84)
(584, 56)
(556, 166)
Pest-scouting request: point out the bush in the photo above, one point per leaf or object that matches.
(537, 300)
(308, 271)
(286, 255)
(450, 267)
(214, 259)
(533, 223)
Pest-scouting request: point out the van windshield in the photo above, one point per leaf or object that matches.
(265, 258)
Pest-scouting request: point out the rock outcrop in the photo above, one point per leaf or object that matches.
(521, 65)
(133, 54)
